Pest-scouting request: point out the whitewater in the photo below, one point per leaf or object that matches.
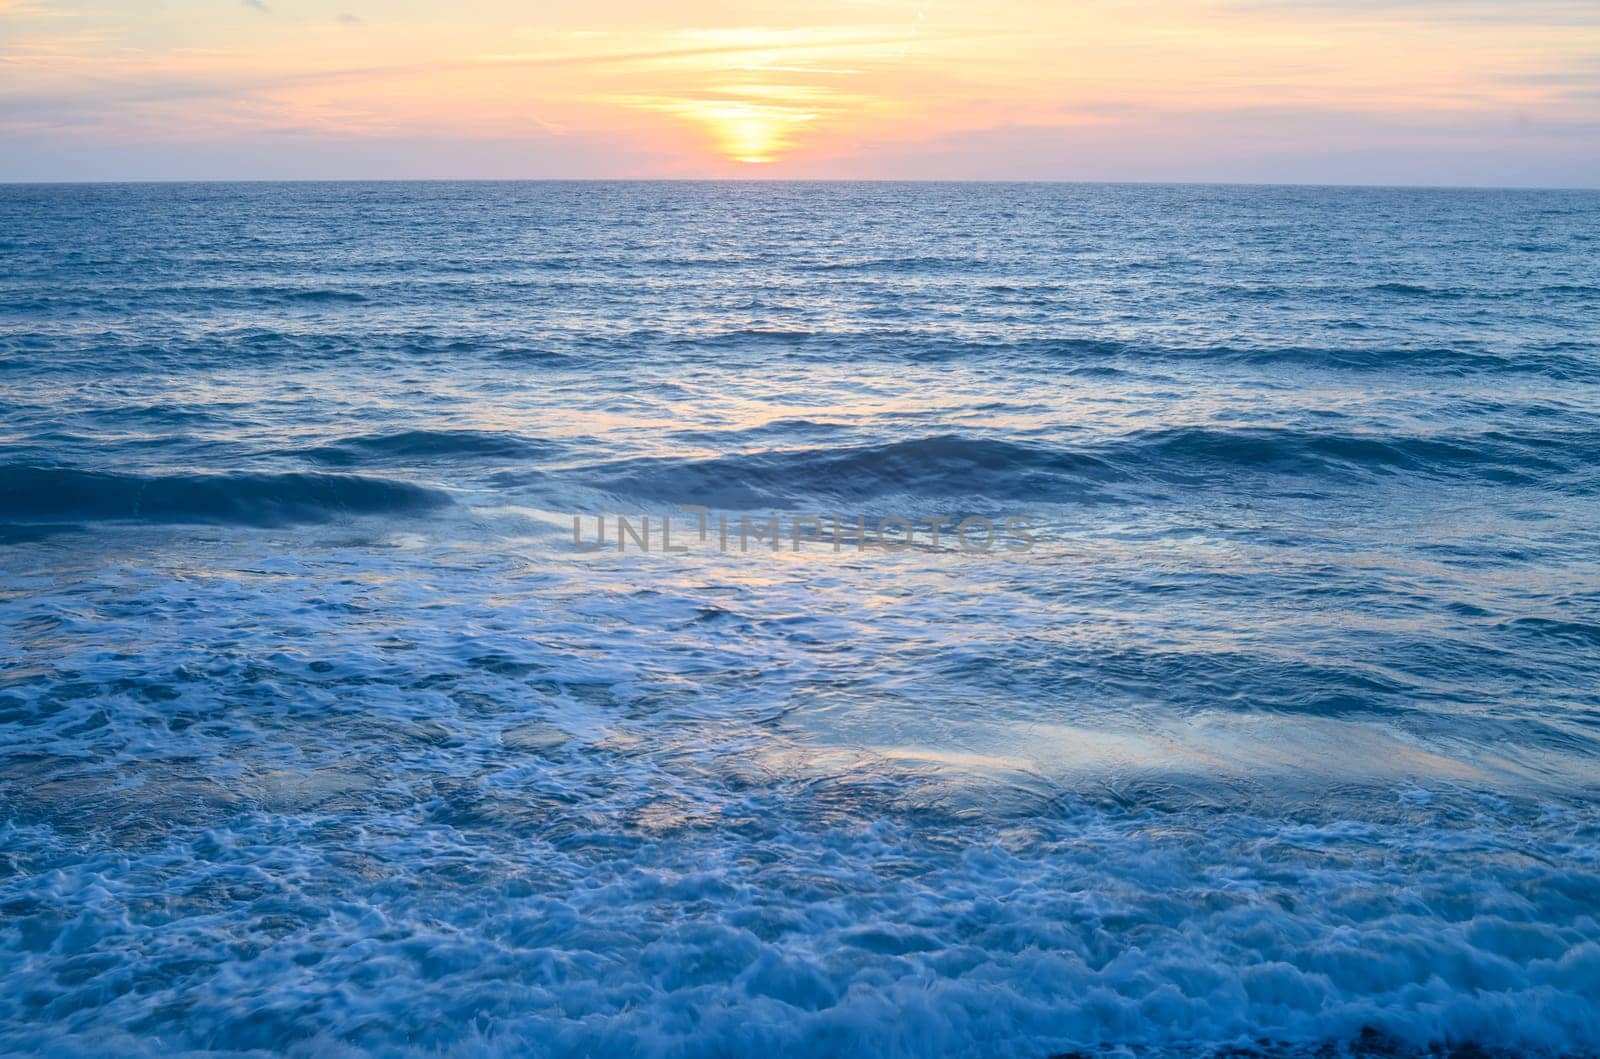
(320, 736)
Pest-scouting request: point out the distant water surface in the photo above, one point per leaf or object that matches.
(317, 733)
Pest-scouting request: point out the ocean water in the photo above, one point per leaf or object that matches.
(319, 734)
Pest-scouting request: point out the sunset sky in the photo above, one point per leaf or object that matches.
(1334, 91)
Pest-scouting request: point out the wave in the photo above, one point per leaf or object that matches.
(411, 445)
(783, 428)
(943, 465)
(1576, 362)
(1572, 359)
(312, 296)
(32, 494)
(1427, 359)
(1209, 452)
(916, 263)
(987, 468)
(1417, 290)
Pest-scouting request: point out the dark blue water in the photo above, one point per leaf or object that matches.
(318, 733)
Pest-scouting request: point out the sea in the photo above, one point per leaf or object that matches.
(399, 655)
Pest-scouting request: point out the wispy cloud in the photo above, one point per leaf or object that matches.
(1488, 12)
(18, 8)
(258, 5)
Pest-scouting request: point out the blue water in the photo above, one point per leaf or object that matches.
(318, 733)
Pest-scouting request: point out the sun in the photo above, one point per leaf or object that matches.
(751, 133)
(757, 94)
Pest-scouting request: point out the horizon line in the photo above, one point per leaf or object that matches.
(1352, 185)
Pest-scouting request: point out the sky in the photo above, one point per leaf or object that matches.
(1449, 92)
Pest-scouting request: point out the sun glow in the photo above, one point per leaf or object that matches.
(755, 94)
(753, 133)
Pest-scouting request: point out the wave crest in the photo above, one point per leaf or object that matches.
(61, 494)
(429, 444)
(1126, 466)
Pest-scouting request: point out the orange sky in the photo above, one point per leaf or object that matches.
(1447, 91)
